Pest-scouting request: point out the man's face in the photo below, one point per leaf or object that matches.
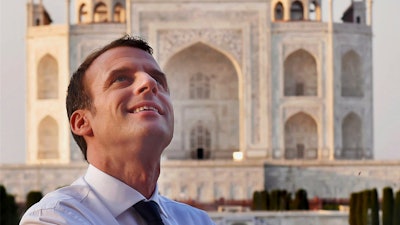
(131, 102)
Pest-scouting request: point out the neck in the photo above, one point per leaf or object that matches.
(139, 174)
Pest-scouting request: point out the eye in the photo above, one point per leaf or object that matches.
(121, 79)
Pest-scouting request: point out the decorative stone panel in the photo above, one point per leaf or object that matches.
(228, 40)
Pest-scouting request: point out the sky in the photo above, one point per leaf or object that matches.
(386, 49)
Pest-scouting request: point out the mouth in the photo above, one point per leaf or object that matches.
(146, 107)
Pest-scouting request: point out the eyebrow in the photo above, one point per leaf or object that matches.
(159, 74)
(154, 72)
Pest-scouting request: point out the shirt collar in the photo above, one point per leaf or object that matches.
(116, 195)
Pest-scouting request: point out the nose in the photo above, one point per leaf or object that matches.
(146, 83)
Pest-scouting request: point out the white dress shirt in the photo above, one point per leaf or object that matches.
(98, 198)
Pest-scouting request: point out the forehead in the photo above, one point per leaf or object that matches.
(120, 57)
(123, 54)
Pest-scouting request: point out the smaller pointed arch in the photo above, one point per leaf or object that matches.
(200, 140)
(47, 78)
(300, 74)
(352, 147)
(48, 139)
(352, 81)
(315, 11)
(83, 14)
(100, 13)
(119, 13)
(297, 11)
(301, 137)
(278, 11)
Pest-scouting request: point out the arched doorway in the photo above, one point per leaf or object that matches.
(301, 137)
(204, 87)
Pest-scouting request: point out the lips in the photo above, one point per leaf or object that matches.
(146, 107)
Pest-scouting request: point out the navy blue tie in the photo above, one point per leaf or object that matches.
(148, 210)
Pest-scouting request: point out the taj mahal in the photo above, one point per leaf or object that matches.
(276, 83)
(265, 78)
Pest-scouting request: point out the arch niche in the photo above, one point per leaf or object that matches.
(47, 78)
(204, 89)
(83, 14)
(100, 13)
(351, 75)
(119, 13)
(301, 137)
(352, 137)
(278, 11)
(300, 74)
(48, 139)
(297, 11)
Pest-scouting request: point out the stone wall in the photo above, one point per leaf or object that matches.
(281, 218)
(20, 179)
(206, 181)
(332, 179)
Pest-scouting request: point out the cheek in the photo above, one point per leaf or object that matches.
(167, 101)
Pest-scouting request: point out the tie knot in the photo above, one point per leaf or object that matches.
(148, 210)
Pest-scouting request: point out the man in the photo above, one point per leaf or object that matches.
(121, 116)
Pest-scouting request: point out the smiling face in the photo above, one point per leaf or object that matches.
(131, 110)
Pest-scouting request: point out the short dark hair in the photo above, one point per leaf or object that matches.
(78, 96)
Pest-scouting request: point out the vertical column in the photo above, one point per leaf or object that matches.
(41, 12)
(66, 155)
(128, 17)
(68, 11)
(30, 17)
(306, 11)
(286, 10)
(330, 8)
(329, 150)
(318, 10)
(369, 13)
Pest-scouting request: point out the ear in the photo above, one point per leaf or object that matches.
(80, 124)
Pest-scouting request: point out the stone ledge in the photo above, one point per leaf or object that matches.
(222, 163)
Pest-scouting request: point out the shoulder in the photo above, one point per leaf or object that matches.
(63, 206)
(70, 194)
(186, 213)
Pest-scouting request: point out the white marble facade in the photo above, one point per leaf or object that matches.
(252, 76)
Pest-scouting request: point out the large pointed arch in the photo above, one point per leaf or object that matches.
(301, 137)
(352, 147)
(48, 139)
(204, 86)
(351, 75)
(300, 74)
(47, 78)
